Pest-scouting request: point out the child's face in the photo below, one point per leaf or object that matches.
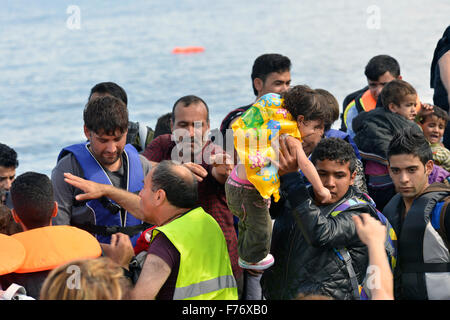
(310, 127)
(407, 107)
(433, 129)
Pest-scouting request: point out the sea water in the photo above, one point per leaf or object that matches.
(53, 52)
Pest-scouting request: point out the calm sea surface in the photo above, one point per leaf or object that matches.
(53, 52)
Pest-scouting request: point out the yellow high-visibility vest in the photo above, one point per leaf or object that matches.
(205, 269)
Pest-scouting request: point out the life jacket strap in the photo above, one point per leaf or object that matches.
(417, 267)
(110, 230)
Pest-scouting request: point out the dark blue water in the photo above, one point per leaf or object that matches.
(48, 68)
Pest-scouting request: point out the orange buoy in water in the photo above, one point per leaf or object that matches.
(181, 50)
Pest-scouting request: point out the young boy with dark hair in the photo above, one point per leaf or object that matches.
(433, 125)
(315, 244)
(419, 214)
(375, 129)
(379, 71)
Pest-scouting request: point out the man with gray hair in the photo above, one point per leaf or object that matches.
(188, 256)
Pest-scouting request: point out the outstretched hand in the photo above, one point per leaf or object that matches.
(370, 230)
(222, 166)
(92, 190)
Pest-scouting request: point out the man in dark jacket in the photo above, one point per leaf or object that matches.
(419, 214)
(308, 236)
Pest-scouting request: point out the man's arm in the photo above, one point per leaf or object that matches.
(93, 190)
(153, 276)
(373, 234)
(64, 193)
(318, 229)
(444, 71)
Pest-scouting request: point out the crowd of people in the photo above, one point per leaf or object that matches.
(278, 206)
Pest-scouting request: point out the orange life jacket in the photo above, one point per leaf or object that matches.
(49, 247)
(12, 254)
(367, 101)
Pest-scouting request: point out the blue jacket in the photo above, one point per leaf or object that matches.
(105, 211)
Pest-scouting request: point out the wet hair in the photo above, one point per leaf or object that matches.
(379, 65)
(268, 63)
(186, 101)
(329, 101)
(410, 141)
(438, 112)
(8, 157)
(163, 125)
(395, 92)
(106, 115)
(335, 149)
(302, 100)
(99, 279)
(181, 191)
(110, 88)
(32, 198)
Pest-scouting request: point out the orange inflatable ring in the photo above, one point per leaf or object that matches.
(181, 50)
(12, 254)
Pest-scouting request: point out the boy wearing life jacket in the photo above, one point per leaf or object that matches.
(46, 246)
(419, 215)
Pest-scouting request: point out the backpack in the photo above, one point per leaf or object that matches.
(360, 291)
(15, 292)
(139, 135)
(438, 217)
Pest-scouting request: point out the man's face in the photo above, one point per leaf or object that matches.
(336, 177)
(190, 127)
(7, 176)
(107, 149)
(407, 107)
(433, 129)
(409, 175)
(276, 82)
(375, 87)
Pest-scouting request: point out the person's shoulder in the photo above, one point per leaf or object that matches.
(164, 139)
(68, 163)
(233, 115)
(146, 165)
(350, 98)
(159, 148)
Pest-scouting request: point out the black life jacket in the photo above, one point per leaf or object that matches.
(424, 258)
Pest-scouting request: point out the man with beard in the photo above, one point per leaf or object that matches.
(104, 158)
(188, 144)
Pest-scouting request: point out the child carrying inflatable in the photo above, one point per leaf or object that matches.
(296, 114)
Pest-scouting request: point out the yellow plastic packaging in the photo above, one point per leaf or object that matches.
(254, 132)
